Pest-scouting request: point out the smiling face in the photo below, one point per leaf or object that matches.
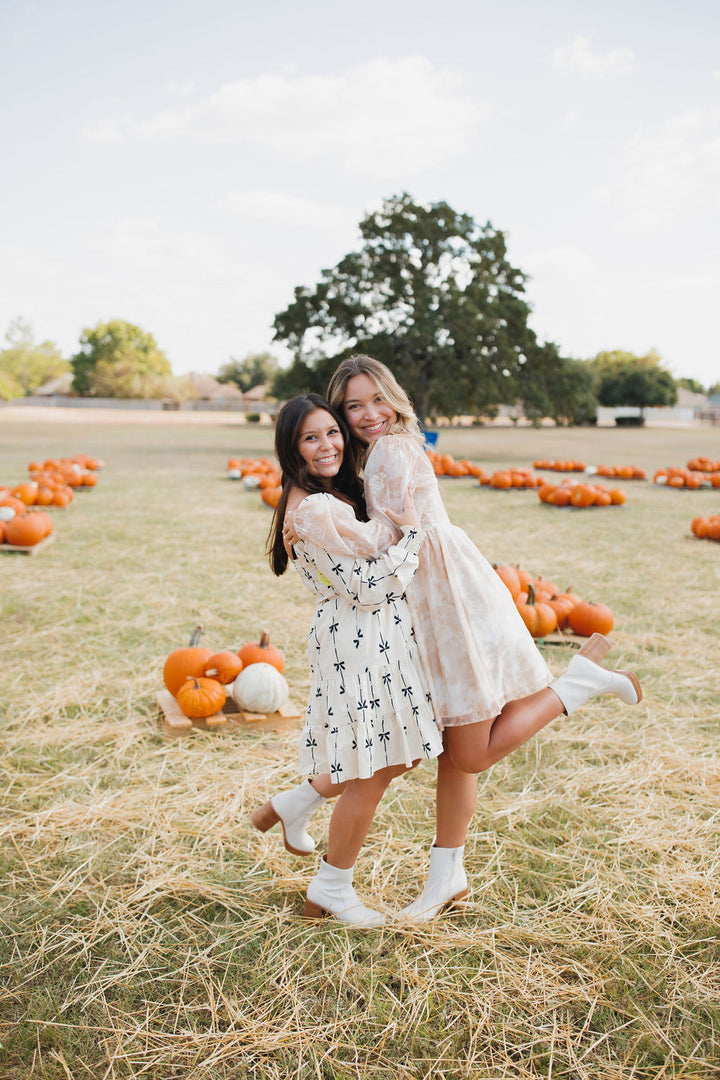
(366, 410)
(321, 444)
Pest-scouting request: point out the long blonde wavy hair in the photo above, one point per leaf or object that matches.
(388, 386)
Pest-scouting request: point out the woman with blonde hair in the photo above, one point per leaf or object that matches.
(490, 687)
(368, 717)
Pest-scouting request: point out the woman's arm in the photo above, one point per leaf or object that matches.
(332, 525)
(368, 583)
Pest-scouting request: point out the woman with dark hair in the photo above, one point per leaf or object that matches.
(368, 718)
(490, 687)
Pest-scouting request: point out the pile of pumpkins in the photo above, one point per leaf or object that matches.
(560, 466)
(690, 479)
(24, 521)
(706, 528)
(447, 465)
(257, 474)
(544, 608)
(704, 464)
(580, 495)
(21, 526)
(64, 475)
(200, 679)
(505, 479)
(618, 472)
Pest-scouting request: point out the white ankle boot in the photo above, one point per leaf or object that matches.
(331, 893)
(446, 883)
(293, 810)
(585, 678)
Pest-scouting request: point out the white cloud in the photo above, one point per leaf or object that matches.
(578, 56)
(670, 174)
(378, 117)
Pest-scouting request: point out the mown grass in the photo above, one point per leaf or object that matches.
(149, 931)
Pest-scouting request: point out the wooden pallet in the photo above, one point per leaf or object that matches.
(29, 550)
(230, 718)
(559, 637)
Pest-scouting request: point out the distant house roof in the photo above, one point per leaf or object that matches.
(208, 388)
(686, 399)
(61, 384)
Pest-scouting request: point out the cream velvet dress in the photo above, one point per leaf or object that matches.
(369, 705)
(476, 651)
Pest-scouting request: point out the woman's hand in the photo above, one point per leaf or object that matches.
(290, 537)
(407, 516)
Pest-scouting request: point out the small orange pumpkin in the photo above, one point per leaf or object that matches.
(262, 652)
(200, 698)
(27, 530)
(271, 495)
(182, 663)
(539, 618)
(587, 618)
(224, 667)
(509, 576)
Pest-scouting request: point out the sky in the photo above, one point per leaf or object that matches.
(185, 165)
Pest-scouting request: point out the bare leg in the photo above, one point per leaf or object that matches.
(325, 787)
(475, 747)
(353, 815)
(456, 798)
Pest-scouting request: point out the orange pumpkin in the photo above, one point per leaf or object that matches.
(501, 480)
(560, 497)
(27, 530)
(183, 663)
(562, 604)
(200, 698)
(26, 492)
(582, 495)
(262, 652)
(539, 618)
(509, 577)
(587, 618)
(224, 667)
(271, 495)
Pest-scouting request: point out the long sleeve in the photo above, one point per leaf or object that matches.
(397, 465)
(332, 525)
(371, 583)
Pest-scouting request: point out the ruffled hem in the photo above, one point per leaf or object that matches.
(351, 751)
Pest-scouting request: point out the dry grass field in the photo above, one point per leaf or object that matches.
(148, 930)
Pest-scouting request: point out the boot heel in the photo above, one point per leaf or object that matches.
(264, 818)
(313, 911)
(595, 648)
(635, 682)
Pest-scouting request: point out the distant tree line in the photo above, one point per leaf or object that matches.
(429, 292)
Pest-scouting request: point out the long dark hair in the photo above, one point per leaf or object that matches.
(346, 485)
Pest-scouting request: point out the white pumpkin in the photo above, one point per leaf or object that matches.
(260, 688)
(251, 483)
(234, 474)
(7, 513)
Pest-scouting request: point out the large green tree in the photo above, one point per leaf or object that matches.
(432, 295)
(24, 364)
(640, 381)
(255, 369)
(558, 387)
(118, 359)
